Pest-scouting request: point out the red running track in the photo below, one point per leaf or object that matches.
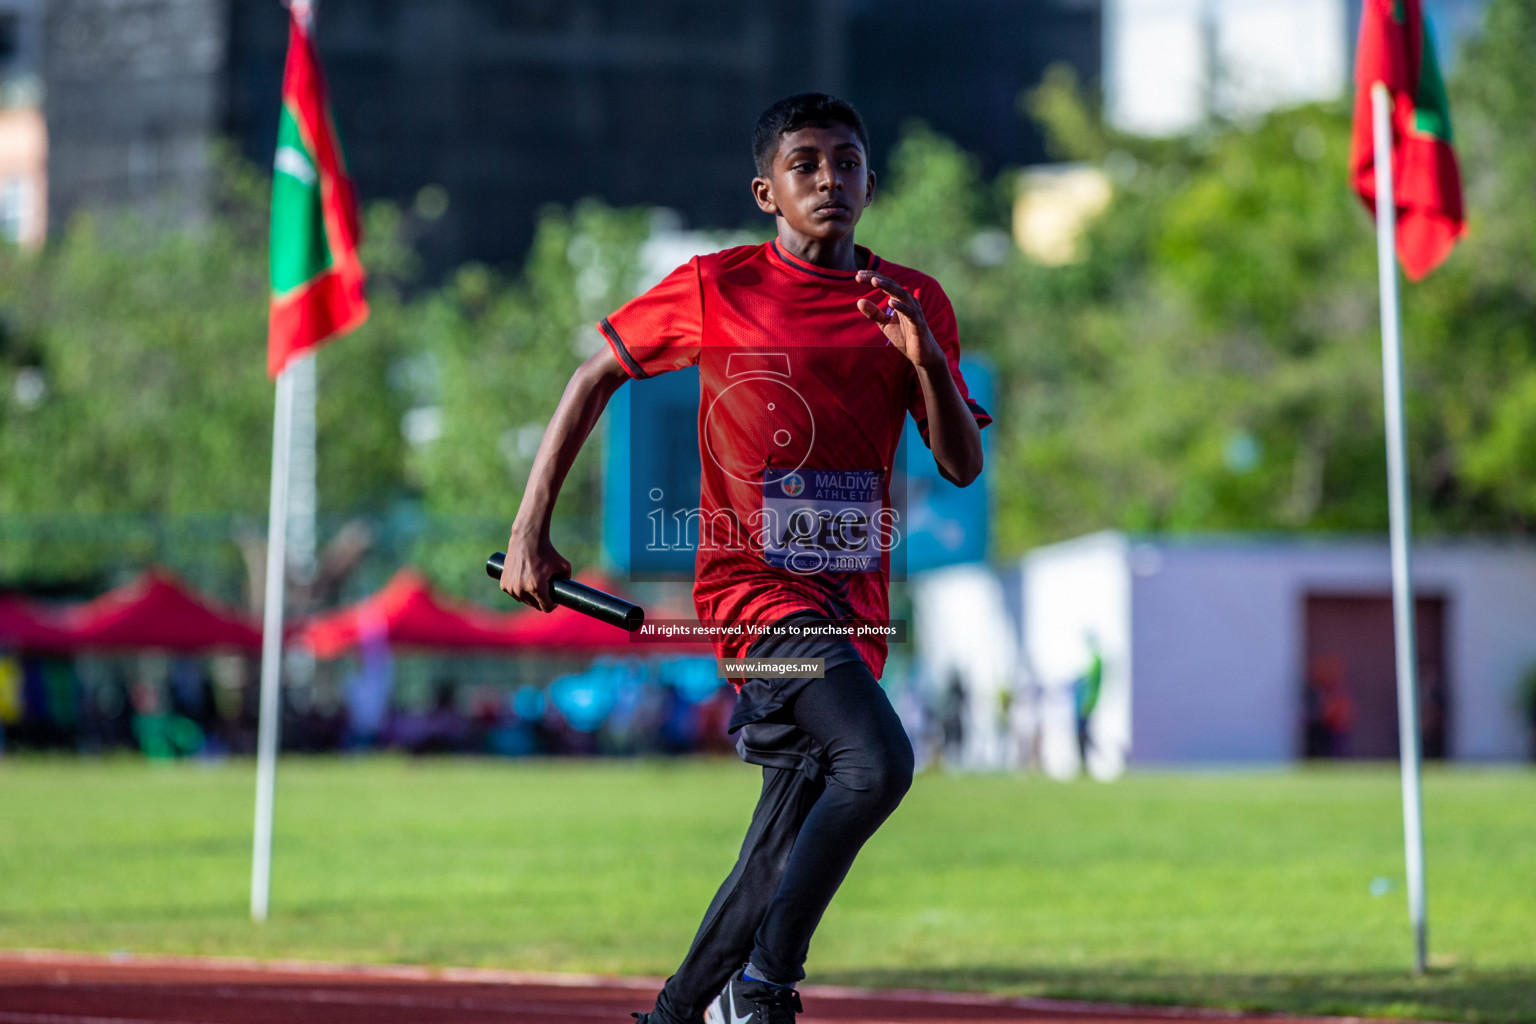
(60, 988)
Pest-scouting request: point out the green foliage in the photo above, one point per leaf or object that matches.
(1210, 362)
(1213, 359)
(140, 355)
(361, 454)
(1211, 322)
(499, 355)
(1237, 385)
(1480, 308)
(133, 388)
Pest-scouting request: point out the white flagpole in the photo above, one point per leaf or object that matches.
(272, 646)
(1397, 498)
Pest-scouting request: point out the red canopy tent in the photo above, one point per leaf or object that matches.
(412, 614)
(571, 631)
(26, 626)
(156, 611)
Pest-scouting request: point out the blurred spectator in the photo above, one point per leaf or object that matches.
(679, 727)
(10, 695)
(1085, 698)
(367, 691)
(952, 719)
(172, 708)
(188, 685)
(236, 732)
(485, 714)
(586, 699)
(714, 715)
(160, 734)
(515, 734)
(1330, 713)
(106, 714)
(311, 723)
(442, 729)
(49, 714)
(625, 730)
(913, 712)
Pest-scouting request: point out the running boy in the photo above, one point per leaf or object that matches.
(811, 352)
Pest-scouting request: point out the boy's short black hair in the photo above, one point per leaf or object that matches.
(805, 110)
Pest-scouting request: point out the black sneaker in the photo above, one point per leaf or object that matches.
(641, 1018)
(745, 1001)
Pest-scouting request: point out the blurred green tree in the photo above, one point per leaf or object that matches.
(1212, 361)
(1479, 317)
(499, 355)
(133, 388)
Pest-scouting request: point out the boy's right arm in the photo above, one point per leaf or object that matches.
(531, 559)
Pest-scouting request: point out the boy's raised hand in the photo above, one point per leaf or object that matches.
(902, 321)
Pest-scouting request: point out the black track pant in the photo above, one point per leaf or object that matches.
(836, 764)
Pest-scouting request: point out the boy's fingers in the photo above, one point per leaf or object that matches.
(543, 600)
(874, 312)
(546, 597)
(885, 284)
(909, 309)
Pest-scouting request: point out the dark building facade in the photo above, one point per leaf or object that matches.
(133, 100)
(512, 104)
(963, 66)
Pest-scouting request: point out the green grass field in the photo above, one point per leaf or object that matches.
(1250, 890)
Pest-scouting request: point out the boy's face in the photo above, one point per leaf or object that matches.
(819, 184)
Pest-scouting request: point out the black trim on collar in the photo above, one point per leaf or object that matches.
(822, 272)
(618, 346)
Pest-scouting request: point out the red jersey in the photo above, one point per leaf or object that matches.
(802, 403)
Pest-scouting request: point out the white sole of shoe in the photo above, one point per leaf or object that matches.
(714, 1015)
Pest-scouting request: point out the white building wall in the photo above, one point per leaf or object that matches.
(1490, 592)
(1077, 595)
(1155, 67)
(964, 629)
(1491, 642)
(1278, 53)
(1167, 63)
(1217, 653)
(1213, 632)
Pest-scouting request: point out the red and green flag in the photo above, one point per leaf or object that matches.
(317, 280)
(1397, 49)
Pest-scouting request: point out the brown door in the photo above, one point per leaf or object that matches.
(1350, 689)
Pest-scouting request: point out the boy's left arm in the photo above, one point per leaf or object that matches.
(953, 434)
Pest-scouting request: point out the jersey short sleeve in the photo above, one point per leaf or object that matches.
(941, 321)
(662, 329)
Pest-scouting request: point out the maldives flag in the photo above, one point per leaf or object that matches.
(317, 280)
(1397, 49)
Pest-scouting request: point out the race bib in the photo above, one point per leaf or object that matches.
(822, 520)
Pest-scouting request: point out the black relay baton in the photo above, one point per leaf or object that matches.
(581, 598)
